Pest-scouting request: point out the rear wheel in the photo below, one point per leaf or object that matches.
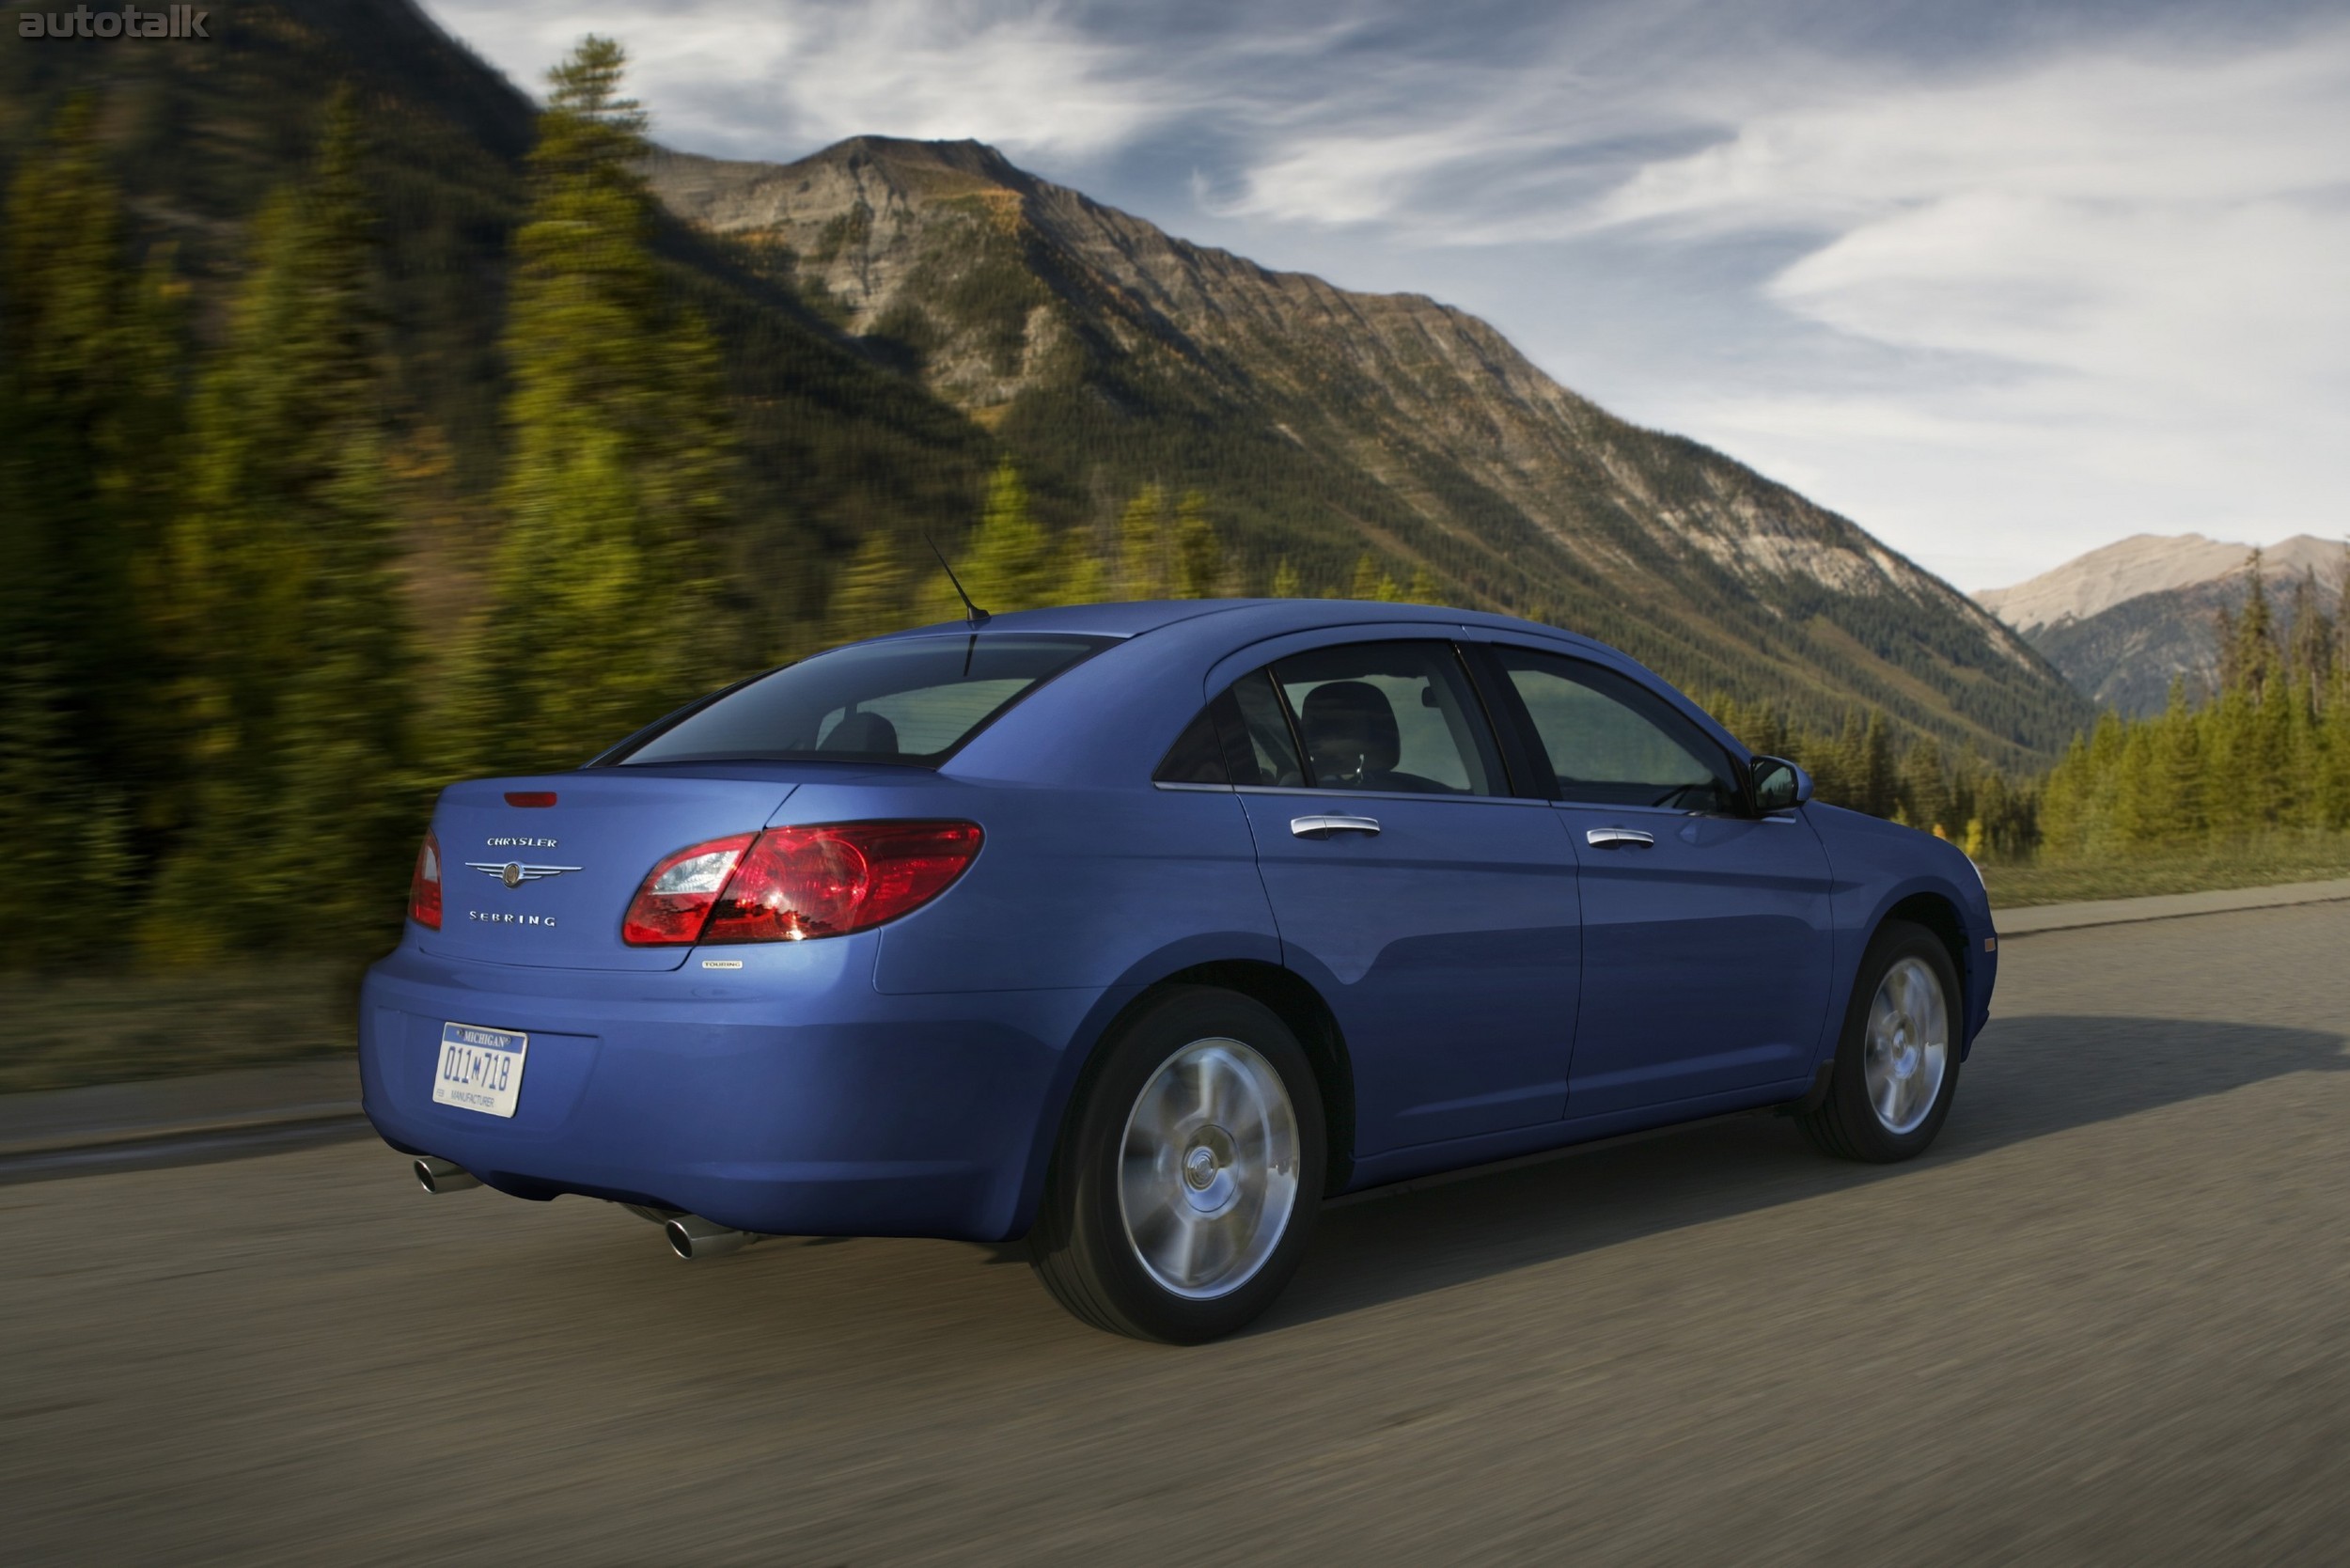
(1896, 1064)
(1189, 1175)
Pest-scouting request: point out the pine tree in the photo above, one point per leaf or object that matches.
(1367, 574)
(1877, 779)
(1009, 563)
(869, 595)
(1199, 566)
(1424, 589)
(1079, 574)
(2179, 767)
(89, 362)
(1923, 785)
(1142, 547)
(284, 566)
(2064, 803)
(1286, 584)
(620, 473)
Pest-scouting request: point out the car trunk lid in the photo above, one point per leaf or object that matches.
(539, 870)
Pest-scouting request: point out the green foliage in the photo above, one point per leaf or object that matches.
(621, 478)
(89, 364)
(1199, 565)
(1143, 572)
(287, 616)
(871, 595)
(2270, 752)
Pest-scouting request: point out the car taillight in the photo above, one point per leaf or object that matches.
(673, 903)
(791, 884)
(424, 886)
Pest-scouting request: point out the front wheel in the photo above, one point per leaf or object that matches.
(1189, 1175)
(1897, 1062)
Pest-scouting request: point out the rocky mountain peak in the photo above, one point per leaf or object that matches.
(1339, 422)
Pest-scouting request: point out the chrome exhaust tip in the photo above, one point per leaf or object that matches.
(691, 1236)
(442, 1176)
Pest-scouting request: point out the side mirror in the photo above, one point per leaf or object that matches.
(1779, 785)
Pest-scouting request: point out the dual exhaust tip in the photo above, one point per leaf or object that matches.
(690, 1237)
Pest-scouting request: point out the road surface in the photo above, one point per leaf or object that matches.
(2107, 1320)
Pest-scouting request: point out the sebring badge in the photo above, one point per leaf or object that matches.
(513, 873)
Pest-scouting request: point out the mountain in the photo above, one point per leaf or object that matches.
(1322, 423)
(2122, 621)
(898, 317)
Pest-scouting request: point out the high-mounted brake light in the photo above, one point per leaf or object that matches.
(791, 884)
(424, 886)
(530, 797)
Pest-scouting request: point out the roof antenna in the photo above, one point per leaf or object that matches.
(978, 617)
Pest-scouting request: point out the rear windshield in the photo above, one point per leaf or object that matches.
(912, 702)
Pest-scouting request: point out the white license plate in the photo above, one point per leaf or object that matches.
(480, 1070)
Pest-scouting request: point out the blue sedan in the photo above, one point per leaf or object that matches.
(1140, 929)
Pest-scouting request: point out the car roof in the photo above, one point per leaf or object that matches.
(1253, 618)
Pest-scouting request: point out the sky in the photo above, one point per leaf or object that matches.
(2001, 280)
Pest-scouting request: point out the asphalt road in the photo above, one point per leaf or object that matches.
(2106, 1321)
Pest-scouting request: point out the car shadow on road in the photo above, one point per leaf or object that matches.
(2027, 1078)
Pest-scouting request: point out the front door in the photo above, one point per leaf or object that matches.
(1435, 914)
(1706, 930)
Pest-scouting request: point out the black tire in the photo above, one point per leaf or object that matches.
(1083, 1247)
(1847, 1121)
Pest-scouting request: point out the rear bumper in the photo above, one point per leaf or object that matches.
(787, 1097)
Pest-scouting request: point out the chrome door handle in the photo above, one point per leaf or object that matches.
(1619, 838)
(1322, 828)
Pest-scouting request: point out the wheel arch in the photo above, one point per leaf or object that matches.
(1939, 915)
(1290, 997)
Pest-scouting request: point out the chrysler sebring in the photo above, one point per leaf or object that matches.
(1138, 931)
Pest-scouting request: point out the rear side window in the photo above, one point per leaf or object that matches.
(912, 702)
(1389, 718)
(1611, 742)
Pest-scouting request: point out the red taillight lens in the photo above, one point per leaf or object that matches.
(530, 797)
(424, 886)
(673, 903)
(803, 881)
(790, 883)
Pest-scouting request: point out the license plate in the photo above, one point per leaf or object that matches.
(480, 1070)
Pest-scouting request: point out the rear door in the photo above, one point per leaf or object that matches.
(1706, 933)
(1436, 914)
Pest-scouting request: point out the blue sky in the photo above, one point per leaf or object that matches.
(2002, 282)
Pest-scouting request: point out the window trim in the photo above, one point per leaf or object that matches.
(1529, 735)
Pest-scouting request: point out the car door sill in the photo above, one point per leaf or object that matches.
(1738, 1104)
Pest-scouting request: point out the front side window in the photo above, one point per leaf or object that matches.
(1389, 718)
(914, 701)
(1611, 742)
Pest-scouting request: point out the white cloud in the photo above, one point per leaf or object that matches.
(730, 78)
(2116, 284)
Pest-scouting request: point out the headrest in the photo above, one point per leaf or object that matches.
(869, 733)
(1350, 729)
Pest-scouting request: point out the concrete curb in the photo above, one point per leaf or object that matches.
(2040, 919)
(216, 1110)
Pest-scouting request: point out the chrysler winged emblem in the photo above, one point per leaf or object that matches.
(513, 873)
